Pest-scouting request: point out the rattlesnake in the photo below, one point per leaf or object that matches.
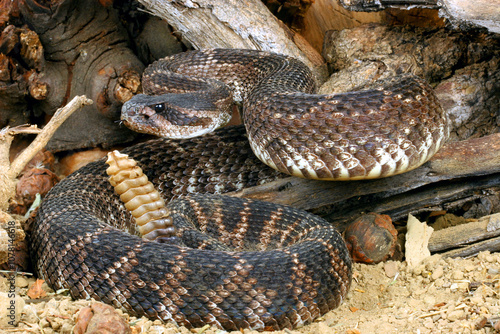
(269, 266)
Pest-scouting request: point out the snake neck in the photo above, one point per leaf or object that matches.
(362, 134)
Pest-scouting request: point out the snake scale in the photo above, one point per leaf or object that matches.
(239, 263)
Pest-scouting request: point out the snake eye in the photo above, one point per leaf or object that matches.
(160, 107)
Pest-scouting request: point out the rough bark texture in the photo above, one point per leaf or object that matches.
(18, 47)
(468, 239)
(464, 66)
(85, 51)
(462, 14)
(235, 24)
(370, 5)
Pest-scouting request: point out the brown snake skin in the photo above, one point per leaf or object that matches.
(271, 266)
(266, 266)
(365, 134)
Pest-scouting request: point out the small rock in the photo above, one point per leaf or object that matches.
(490, 258)
(429, 300)
(476, 299)
(482, 255)
(418, 270)
(100, 318)
(480, 323)
(429, 323)
(436, 317)
(463, 286)
(67, 328)
(432, 261)
(437, 273)
(493, 271)
(457, 275)
(371, 238)
(21, 282)
(391, 268)
(455, 315)
(470, 267)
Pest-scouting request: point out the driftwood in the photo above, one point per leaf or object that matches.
(455, 173)
(9, 228)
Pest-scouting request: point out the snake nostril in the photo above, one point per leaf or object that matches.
(146, 112)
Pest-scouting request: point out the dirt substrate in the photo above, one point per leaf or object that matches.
(439, 296)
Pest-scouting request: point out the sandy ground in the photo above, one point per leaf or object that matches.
(438, 296)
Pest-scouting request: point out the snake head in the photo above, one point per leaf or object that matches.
(173, 115)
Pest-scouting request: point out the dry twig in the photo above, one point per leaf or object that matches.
(9, 171)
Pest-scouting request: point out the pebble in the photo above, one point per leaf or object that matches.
(476, 299)
(429, 300)
(432, 261)
(391, 268)
(429, 323)
(470, 267)
(463, 286)
(493, 271)
(455, 315)
(486, 256)
(457, 275)
(437, 273)
(440, 282)
(21, 282)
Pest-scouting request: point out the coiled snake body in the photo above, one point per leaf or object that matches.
(267, 266)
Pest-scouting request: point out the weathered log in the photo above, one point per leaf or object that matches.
(468, 239)
(462, 14)
(370, 5)
(85, 51)
(490, 245)
(457, 171)
(235, 24)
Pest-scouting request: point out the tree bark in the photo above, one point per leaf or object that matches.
(235, 24)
